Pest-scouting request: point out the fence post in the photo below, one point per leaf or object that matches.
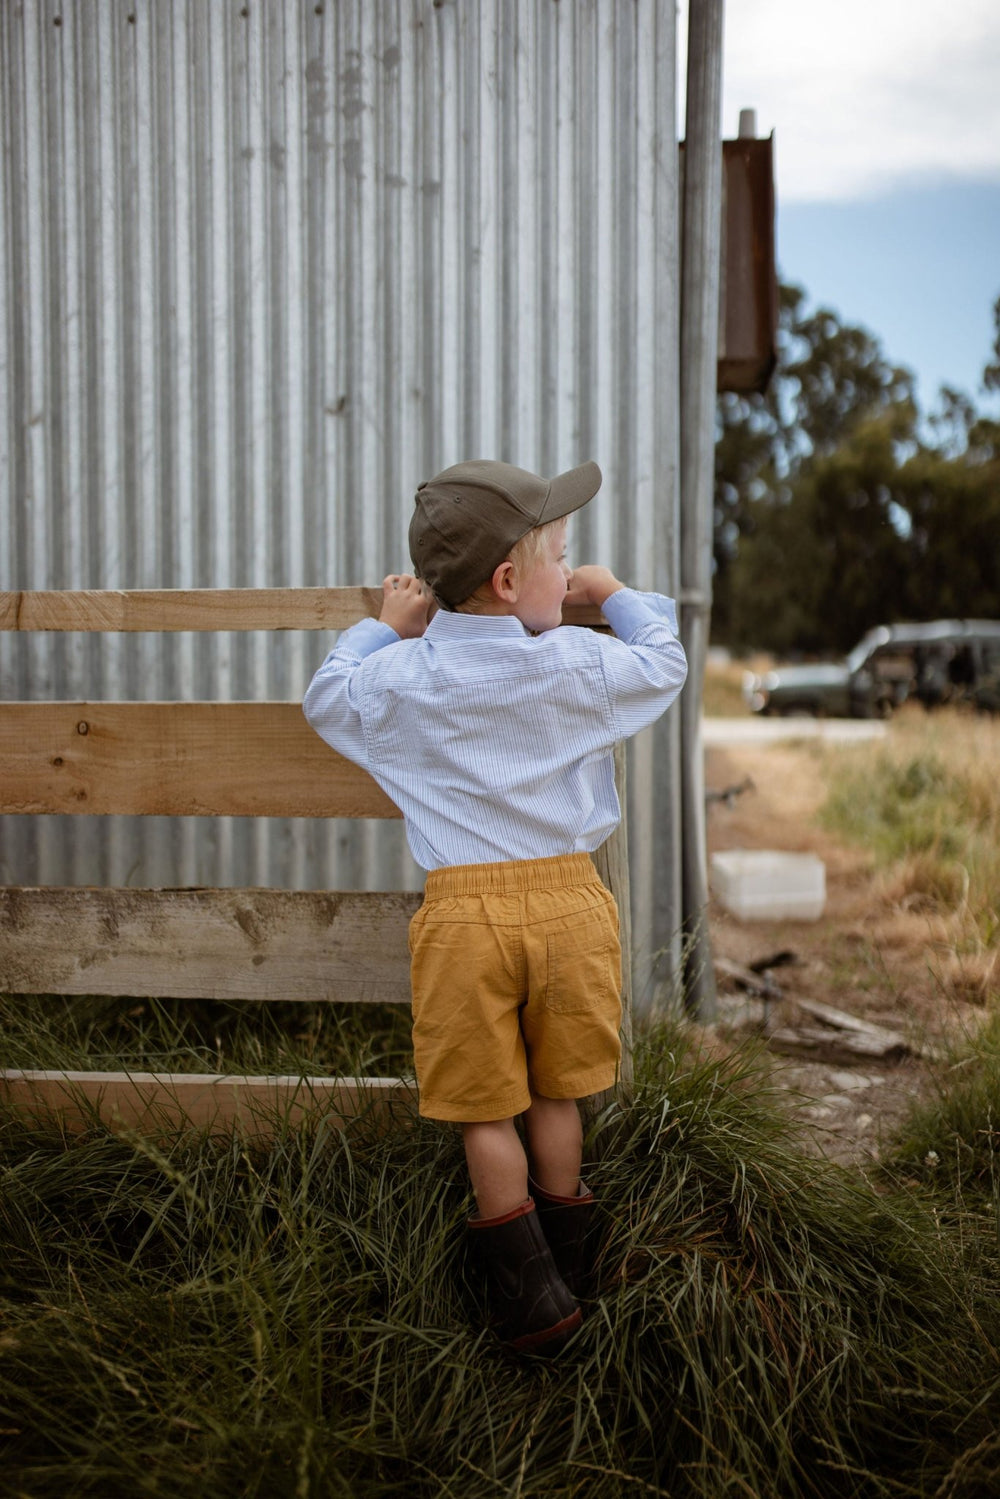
(700, 277)
(611, 860)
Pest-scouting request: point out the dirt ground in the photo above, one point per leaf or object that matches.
(872, 955)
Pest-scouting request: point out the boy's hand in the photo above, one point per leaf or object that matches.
(407, 607)
(591, 584)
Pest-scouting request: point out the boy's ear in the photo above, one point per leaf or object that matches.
(504, 582)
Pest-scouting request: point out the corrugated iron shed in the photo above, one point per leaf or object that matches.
(264, 268)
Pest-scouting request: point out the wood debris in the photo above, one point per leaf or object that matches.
(757, 982)
(824, 1033)
(728, 794)
(840, 1037)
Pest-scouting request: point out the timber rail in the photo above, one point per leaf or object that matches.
(203, 759)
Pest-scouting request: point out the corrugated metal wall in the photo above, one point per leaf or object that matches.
(264, 267)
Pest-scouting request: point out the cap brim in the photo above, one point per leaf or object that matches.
(570, 491)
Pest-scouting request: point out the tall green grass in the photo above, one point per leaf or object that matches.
(184, 1035)
(205, 1317)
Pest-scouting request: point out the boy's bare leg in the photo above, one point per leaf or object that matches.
(555, 1144)
(498, 1167)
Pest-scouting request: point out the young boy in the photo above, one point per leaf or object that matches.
(493, 729)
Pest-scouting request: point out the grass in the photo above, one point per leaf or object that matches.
(202, 1317)
(167, 1035)
(926, 801)
(952, 1137)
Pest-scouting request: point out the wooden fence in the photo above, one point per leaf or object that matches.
(203, 759)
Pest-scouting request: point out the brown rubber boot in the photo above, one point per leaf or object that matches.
(534, 1311)
(568, 1225)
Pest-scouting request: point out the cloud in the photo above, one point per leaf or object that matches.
(866, 95)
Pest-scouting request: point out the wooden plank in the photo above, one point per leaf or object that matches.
(171, 609)
(161, 1103)
(305, 945)
(176, 760)
(189, 609)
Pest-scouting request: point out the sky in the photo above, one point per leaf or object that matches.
(886, 121)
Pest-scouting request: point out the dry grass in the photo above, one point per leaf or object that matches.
(909, 938)
(723, 686)
(926, 802)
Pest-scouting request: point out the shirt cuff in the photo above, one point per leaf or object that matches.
(626, 611)
(367, 636)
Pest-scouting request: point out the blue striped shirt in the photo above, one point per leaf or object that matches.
(494, 743)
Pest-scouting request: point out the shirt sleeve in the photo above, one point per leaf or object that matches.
(645, 667)
(332, 702)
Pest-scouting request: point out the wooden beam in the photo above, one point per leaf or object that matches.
(189, 609)
(160, 1103)
(303, 945)
(171, 609)
(611, 862)
(177, 760)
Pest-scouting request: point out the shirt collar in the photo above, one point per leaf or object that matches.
(474, 626)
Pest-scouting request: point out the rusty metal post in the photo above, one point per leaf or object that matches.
(700, 276)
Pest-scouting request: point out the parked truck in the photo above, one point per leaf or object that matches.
(939, 661)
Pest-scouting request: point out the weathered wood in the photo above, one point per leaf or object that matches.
(823, 1043)
(611, 862)
(842, 1020)
(256, 944)
(864, 1037)
(175, 760)
(162, 1103)
(170, 609)
(754, 982)
(840, 1037)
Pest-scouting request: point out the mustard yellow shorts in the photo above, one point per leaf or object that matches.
(516, 978)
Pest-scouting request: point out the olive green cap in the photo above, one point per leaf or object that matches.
(469, 517)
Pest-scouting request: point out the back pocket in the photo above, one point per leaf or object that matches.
(584, 964)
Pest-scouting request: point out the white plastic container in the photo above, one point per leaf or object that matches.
(765, 885)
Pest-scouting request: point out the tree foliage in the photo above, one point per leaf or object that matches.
(836, 508)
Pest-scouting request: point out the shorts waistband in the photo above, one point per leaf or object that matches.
(509, 877)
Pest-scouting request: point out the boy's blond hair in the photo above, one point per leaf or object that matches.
(524, 554)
